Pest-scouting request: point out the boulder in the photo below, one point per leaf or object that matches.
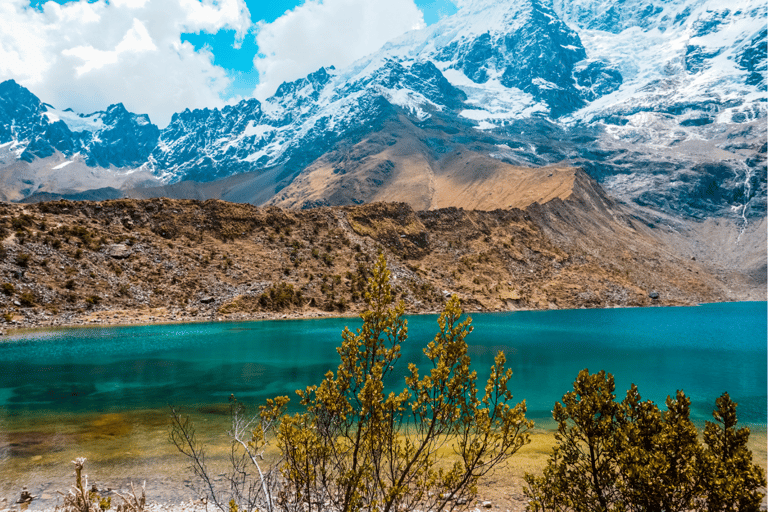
(118, 251)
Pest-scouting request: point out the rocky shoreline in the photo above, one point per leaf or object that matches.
(161, 316)
(518, 505)
(110, 318)
(500, 491)
(131, 262)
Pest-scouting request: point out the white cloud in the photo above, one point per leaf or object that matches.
(136, 40)
(89, 55)
(327, 32)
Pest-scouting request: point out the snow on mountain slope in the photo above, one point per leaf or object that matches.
(664, 102)
(520, 50)
(303, 120)
(690, 54)
(489, 64)
(692, 105)
(74, 121)
(114, 138)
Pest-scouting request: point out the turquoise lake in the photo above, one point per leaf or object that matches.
(63, 390)
(703, 350)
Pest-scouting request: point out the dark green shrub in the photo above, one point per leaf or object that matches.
(23, 259)
(21, 222)
(731, 480)
(27, 299)
(630, 456)
(281, 296)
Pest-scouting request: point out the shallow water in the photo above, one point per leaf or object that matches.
(103, 393)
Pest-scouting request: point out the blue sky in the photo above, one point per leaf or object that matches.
(161, 56)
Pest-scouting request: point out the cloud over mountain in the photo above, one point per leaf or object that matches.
(89, 55)
(327, 33)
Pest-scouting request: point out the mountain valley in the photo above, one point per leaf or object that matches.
(622, 139)
(128, 260)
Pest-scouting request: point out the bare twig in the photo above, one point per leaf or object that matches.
(183, 437)
(242, 426)
(133, 503)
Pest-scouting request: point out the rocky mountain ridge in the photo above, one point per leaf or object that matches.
(114, 138)
(662, 102)
(125, 261)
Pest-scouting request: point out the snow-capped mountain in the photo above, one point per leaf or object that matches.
(299, 123)
(692, 105)
(664, 102)
(112, 138)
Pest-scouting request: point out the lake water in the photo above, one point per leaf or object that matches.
(103, 392)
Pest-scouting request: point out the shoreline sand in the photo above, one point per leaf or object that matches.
(172, 487)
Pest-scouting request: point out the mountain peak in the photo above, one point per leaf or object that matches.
(10, 90)
(117, 108)
(9, 85)
(316, 80)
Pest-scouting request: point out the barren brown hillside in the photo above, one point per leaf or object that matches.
(426, 169)
(159, 259)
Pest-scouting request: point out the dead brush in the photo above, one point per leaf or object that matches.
(80, 499)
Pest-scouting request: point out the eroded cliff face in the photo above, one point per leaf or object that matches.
(159, 259)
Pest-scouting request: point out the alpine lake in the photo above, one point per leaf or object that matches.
(104, 393)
